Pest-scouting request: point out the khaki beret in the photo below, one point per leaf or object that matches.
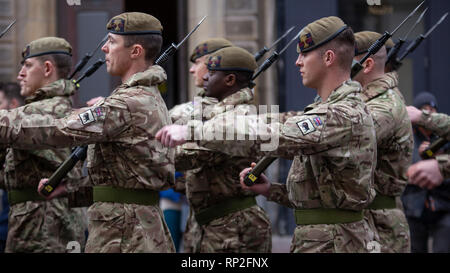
(208, 47)
(134, 23)
(319, 33)
(363, 41)
(232, 58)
(45, 46)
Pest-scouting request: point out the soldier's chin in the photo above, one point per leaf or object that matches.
(111, 71)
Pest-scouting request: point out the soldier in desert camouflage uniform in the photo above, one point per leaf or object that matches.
(126, 165)
(332, 143)
(394, 143)
(36, 225)
(182, 113)
(430, 173)
(229, 218)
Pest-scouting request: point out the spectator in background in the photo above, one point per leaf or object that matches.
(427, 211)
(170, 202)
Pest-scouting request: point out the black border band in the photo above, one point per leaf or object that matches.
(327, 40)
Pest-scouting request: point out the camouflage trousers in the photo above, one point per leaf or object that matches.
(192, 234)
(392, 229)
(245, 231)
(355, 237)
(45, 227)
(127, 228)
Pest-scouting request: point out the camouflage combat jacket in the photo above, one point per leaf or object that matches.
(122, 126)
(182, 113)
(215, 175)
(440, 124)
(123, 153)
(333, 145)
(394, 153)
(24, 168)
(43, 226)
(393, 128)
(437, 122)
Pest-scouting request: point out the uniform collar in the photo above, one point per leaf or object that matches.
(60, 87)
(243, 96)
(154, 75)
(347, 88)
(380, 86)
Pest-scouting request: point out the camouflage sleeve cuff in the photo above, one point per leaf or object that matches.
(436, 122)
(424, 118)
(444, 165)
(278, 194)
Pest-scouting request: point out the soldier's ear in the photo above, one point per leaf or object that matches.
(368, 65)
(49, 68)
(230, 79)
(329, 57)
(137, 51)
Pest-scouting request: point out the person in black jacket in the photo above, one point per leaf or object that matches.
(427, 211)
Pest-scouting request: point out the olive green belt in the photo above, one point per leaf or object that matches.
(326, 216)
(382, 202)
(224, 208)
(125, 196)
(24, 195)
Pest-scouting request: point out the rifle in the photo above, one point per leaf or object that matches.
(373, 49)
(7, 28)
(80, 153)
(94, 67)
(264, 50)
(391, 62)
(173, 47)
(433, 148)
(82, 63)
(419, 40)
(275, 55)
(253, 175)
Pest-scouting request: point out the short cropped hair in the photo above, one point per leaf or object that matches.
(151, 43)
(243, 78)
(62, 62)
(344, 47)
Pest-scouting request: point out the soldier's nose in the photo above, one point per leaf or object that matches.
(105, 48)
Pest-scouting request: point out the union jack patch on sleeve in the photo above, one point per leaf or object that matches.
(99, 111)
(317, 121)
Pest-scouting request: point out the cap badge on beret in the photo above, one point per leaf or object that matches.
(117, 25)
(214, 62)
(26, 52)
(305, 41)
(202, 49)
